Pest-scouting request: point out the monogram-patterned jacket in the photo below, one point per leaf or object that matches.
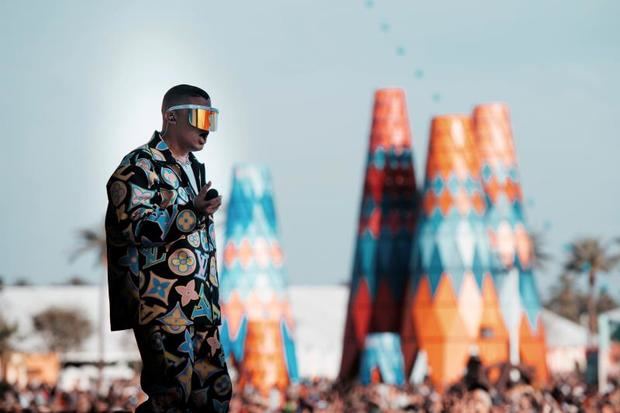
(161, 249)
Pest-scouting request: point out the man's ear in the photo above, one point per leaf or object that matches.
(171, 118)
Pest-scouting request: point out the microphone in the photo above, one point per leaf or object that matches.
(211, 193)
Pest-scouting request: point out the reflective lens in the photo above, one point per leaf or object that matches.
(204, 119)
(201, 117)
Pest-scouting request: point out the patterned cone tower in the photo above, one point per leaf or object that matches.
(382, 360)
(258, 325)
(385, 234)
(509, 238)
(450, 298)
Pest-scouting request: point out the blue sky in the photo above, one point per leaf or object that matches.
(82, 84)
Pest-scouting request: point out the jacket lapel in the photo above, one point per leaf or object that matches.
(161, 152)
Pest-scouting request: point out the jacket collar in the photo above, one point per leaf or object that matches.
(161, 152)
(165, 155)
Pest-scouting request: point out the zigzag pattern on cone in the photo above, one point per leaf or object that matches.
(257, 321)
(385, 231)
(509, 238)
(451, 294)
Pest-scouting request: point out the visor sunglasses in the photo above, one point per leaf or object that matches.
(201, 117)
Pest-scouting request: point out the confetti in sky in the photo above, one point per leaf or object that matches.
(401, 50)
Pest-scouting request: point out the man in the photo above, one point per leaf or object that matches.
(162, 272)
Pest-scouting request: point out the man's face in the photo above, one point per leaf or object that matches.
(190, 137)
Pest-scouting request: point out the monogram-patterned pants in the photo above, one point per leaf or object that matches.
(183, 369)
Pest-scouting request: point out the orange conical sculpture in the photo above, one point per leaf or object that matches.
(452, 309)
(263, 364)
(384, 239)
(509, 239)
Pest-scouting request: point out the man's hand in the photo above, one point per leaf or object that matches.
(204, 206)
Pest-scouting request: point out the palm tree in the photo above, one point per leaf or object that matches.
(565, 299)
(91, 240)
(591, 256)
(539, 256)
(95, 240)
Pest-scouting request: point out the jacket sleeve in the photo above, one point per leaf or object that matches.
(141, 216)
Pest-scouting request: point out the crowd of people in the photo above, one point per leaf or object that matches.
(567, 394)
(119, 395)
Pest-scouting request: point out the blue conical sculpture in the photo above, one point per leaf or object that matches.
(258, 325)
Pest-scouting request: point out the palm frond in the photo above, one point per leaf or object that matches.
(538, 252)
(590, 254)
(90, 240)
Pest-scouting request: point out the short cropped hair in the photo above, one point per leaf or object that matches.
(178, 93)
